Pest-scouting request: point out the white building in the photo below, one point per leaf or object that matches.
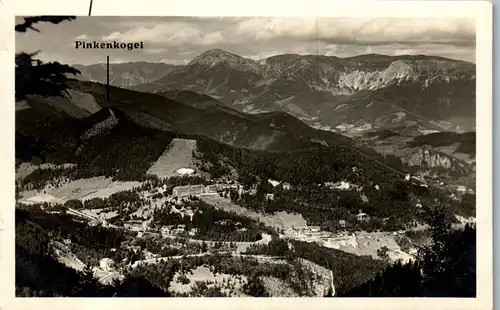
(193, 231)
(273, 182)
(269, 196)
(177, 231)
(362, 217)
(190, 213)
(408, 177)
(106, 264)
(342, 223)
(183, 191)
(314, 228)
(166, 230)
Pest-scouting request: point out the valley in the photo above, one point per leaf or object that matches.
(159, 215)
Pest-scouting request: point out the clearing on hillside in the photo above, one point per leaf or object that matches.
(279, 220)
(176, 160)
(26, 169)
(230, 284)
(82, 189)
(369, 244)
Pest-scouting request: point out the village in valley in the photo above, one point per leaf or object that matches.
(139, 216)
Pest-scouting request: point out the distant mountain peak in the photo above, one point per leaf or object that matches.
(214, 57)
(218, 52)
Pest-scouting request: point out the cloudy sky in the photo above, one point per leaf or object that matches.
(177, 40)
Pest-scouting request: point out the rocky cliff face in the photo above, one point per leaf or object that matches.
(424, 72)
(432, 161)
(427, 158)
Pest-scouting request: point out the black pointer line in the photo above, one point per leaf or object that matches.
(107, 77)
(107, 61)
(90, 8)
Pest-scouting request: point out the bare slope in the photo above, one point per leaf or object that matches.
(178, 156)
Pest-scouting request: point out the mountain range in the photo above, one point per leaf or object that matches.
(421, 94)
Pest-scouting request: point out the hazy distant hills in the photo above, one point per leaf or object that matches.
(125, 74)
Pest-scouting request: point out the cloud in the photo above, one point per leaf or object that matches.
(213, 38)
(269, 28)
(169, 33)
(177, 39)
(361, 31)
(409, 31)
(82, 37)
(184, 53)
(155, 51)
(263, 55)
(405, 51)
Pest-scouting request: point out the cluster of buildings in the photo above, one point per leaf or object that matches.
(97, 222)
(213, 189)
(343, 186)
(416, 180)
(225, 186)
(284, 185)
(199, 189)
(316, 230)
(190, 190)
(175, 230)
(306, 230)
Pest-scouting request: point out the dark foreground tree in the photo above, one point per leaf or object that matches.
(34, 77)
(449, 262)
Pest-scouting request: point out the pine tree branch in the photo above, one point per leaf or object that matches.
(30, 21)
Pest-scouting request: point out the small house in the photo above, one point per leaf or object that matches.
(408, 177)
(299, 228)
(362, 217)
(342, 223)
(106, 264)
(178, 231)
(166, 230)
(187, 213)
(269, 196)
(314, 228)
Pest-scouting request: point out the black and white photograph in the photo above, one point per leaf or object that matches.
(231, 156)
